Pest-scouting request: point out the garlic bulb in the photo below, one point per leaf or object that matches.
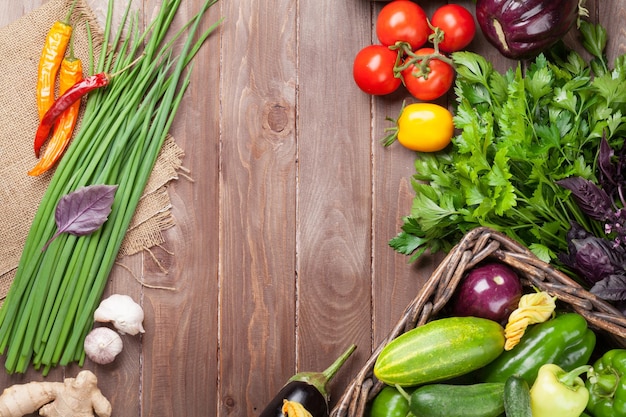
(123, 312)
(102, 345)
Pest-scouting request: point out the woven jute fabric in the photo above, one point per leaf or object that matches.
(20, 194)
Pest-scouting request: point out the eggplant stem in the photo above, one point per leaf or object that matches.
(320, 380)
(331, 371)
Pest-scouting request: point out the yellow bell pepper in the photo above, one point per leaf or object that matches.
(559, 393)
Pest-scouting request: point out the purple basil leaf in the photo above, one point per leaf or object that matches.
(590, 258)
(591, 199)
(575, 232)
(593, 259)
(607, 169)
(611, 288)
(83, 211)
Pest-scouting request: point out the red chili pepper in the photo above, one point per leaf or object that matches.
(73, 94)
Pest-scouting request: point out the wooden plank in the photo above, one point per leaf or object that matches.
(180, 351)
(612, 16)
(11, 11)
(258, 204)
(335, 189)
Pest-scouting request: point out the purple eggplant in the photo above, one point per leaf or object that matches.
(522, 29)
(309, 389)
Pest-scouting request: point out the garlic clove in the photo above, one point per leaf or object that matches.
(123, 312)
(102, 345)
(128, 327)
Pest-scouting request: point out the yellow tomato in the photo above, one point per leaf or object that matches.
(425, 127)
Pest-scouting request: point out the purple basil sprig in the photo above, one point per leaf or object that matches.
(604, 202)
(600, 261)
(591, 199)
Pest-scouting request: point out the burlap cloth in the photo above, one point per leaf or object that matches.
(20, 194)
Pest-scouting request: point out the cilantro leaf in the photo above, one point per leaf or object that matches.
(472, 67)
(611, 87)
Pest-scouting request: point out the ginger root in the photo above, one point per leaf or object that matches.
(77, 397)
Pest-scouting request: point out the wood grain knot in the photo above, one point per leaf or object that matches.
(229, 402)
(277, 117)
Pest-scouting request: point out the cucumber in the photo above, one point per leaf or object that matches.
(444, 400)
(517, 397)
(439, 350)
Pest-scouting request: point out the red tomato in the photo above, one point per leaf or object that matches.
(432, 85)
(457, 24)
(402, 20)
(373, 70)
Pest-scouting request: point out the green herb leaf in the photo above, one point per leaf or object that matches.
(594, 38)
(472, 67)
(611, 87)
(542, 252)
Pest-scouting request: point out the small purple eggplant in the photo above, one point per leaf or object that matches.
(522, 29)
(308, 389)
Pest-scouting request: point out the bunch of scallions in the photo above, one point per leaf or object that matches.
(49, 308)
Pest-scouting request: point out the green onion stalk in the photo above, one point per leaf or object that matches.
(49, 308)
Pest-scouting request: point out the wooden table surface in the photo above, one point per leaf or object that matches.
(279, 255)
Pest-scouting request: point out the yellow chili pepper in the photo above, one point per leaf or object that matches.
(70, 73)
(52, 54)
(532, 308)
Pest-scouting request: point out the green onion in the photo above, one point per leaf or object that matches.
(49, 308)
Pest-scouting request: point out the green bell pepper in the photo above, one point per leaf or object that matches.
(565, 341)
(607, 385)
(389, 402)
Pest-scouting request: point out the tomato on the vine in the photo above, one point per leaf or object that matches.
(431, 82)
(424, 127)
(373, 70)
(402, 21)
(457, 25)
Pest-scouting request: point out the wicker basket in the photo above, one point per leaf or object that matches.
(477, 245)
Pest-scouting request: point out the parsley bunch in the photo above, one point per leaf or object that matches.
(520, 132)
